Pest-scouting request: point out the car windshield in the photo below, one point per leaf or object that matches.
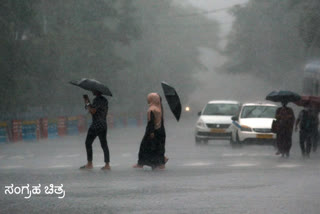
(221, 109)
(258, 112)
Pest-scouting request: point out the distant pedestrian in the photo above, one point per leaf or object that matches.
(308, 124)
(152, 147)
(285, 123)
(99, 110)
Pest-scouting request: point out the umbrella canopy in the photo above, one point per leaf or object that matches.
(283, 96)
(309, 101)
(172, 99)
(92, 85)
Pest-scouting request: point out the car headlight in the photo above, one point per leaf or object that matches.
(201, 124)
(245, 128)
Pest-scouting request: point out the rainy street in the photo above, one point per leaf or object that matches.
(162, 76)
(212, 178)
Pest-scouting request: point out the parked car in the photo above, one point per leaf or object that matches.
(215, 120)
(253, 124)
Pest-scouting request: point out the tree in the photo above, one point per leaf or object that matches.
(168, 50)
(129, 45)
(16, 21)
(273, 39)
(62, 41)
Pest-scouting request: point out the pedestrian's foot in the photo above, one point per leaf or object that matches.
(165, 159)
(161, 167)
(86, 167)
(106, 167)
(137, 166)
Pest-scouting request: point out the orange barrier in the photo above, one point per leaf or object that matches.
(16, 130)
(62, 126)
(44, 128)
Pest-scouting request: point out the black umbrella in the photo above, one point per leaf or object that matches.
(92, 85)
(172, 99)
(283, 96)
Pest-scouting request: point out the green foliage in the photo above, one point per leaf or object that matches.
(45, 44)
(131, 46)
(168, 51)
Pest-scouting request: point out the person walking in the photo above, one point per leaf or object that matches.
(307, 122)
(99, 110)
(152, 147)
(285, 123)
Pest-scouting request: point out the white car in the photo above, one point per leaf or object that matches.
(253, 124)
(215, 120)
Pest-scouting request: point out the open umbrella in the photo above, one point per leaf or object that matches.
(172, 99)
(283, 96)
(92, 85)
(309, 101)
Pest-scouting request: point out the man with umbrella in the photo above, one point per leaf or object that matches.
(311, 103)
(99, 110)
(308, 124)
(284, 120)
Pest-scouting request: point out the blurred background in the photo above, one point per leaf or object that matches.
(236, 49)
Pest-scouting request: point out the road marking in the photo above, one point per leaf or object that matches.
(198, 164)
(288, 165)
(11, 167)
(243, 164)
(17, 157)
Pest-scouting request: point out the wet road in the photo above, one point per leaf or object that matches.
(212, 178)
